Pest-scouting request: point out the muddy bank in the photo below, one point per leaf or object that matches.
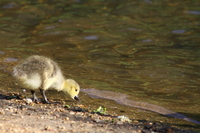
(18, 116)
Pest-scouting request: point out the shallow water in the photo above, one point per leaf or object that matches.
(148, 50)
(122, 99)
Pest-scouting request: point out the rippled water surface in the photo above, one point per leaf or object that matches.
(148, 49)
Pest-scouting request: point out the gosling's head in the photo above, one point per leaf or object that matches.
(72, 88)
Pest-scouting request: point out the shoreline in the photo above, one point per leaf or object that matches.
(122, 99)
(18, 116)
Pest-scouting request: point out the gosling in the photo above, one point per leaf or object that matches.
(39, 72)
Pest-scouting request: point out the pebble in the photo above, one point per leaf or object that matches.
(67, 118)
(98, 120)
(123, 119)
(57, 115)
(47, 128)
(61, 127)
(119, 122)
(7, 109)
(73, 122)
(28, 100)
(79, 113)
(71, 113)
(2, 112)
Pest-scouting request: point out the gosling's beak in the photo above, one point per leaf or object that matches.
(76, 98)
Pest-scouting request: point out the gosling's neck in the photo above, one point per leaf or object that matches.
(65, 87)
(62, 85)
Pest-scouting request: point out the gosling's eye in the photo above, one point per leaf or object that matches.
(76, 89)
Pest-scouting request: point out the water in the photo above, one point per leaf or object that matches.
(122, 99)
(148, 50)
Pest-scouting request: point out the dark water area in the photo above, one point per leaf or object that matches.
(148, 50)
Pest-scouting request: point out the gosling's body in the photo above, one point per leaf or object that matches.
(39, 72)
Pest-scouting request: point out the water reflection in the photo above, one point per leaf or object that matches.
(10, 5)
(91, 38)
(148, 50)
(10, 59)
(178, 31)
(193, 12)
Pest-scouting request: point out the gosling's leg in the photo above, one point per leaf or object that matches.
(44, 97)
(35, 99)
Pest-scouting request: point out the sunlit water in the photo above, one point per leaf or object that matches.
(148, 50)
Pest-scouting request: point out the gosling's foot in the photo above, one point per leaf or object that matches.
(36, 100)
(42, 91)
(42, 101)
(45, 101)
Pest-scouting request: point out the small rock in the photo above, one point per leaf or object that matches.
(57, 115)
(7, 109)
(79, 113)
(71, 113)
(47, 128)
(119, 122)
(61, 127)
(28, 100)
(150, 123)
(123, 119)
(2, 112)
(42, 117)
(67, 118)
(97, 120)
(73, 122)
